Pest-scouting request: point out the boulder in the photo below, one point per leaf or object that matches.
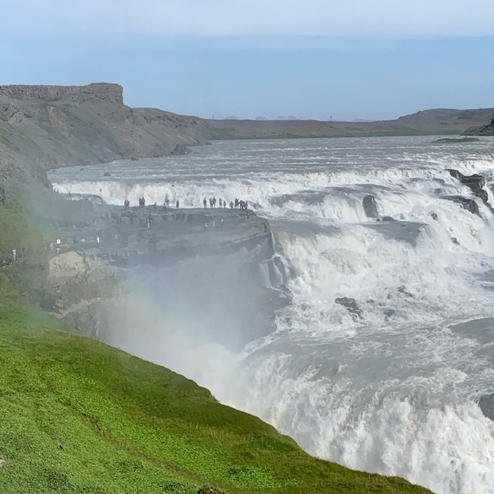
(475, 183)
(66, 267)
(370, 206)
(465, 203)
(351, 305)
(486, 404)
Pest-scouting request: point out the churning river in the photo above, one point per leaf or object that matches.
(381, 357)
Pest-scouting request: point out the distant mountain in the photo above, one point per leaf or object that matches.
(426, 122)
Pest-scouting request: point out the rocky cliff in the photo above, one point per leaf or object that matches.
(485, 130)
(217, 267)
(43, 127)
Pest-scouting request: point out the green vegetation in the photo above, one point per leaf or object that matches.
(456, 139)
(24, 280)
(79, 416)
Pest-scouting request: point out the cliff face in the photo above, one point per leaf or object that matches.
(486, 130)
(77, 94)
(217, 268)
(50, 126)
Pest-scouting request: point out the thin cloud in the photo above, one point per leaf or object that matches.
(251, 17)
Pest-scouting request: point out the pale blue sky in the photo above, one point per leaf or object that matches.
(310, 58)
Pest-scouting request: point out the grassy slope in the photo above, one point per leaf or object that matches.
(79, 416)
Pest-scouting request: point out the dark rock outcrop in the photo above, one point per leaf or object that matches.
(465, 203)
(370, 206)
(475, 183)
(486, 404)
(485, 130)
(351, 305)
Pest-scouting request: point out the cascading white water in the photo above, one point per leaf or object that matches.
(386, 347)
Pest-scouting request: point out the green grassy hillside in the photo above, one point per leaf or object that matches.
(78, 416)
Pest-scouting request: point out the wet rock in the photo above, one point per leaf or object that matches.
(388, 218)
(107, 174)
(434, 216)
(370, 206)
(351, 305)
(465, 203)
(483, 195)
(455, 240)
(486, 404)
(475, 183)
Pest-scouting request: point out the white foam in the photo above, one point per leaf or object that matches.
(393, 391)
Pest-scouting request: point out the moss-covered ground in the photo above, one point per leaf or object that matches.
(78, 416)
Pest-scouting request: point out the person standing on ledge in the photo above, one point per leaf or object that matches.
(178, 204)
(205, 203)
